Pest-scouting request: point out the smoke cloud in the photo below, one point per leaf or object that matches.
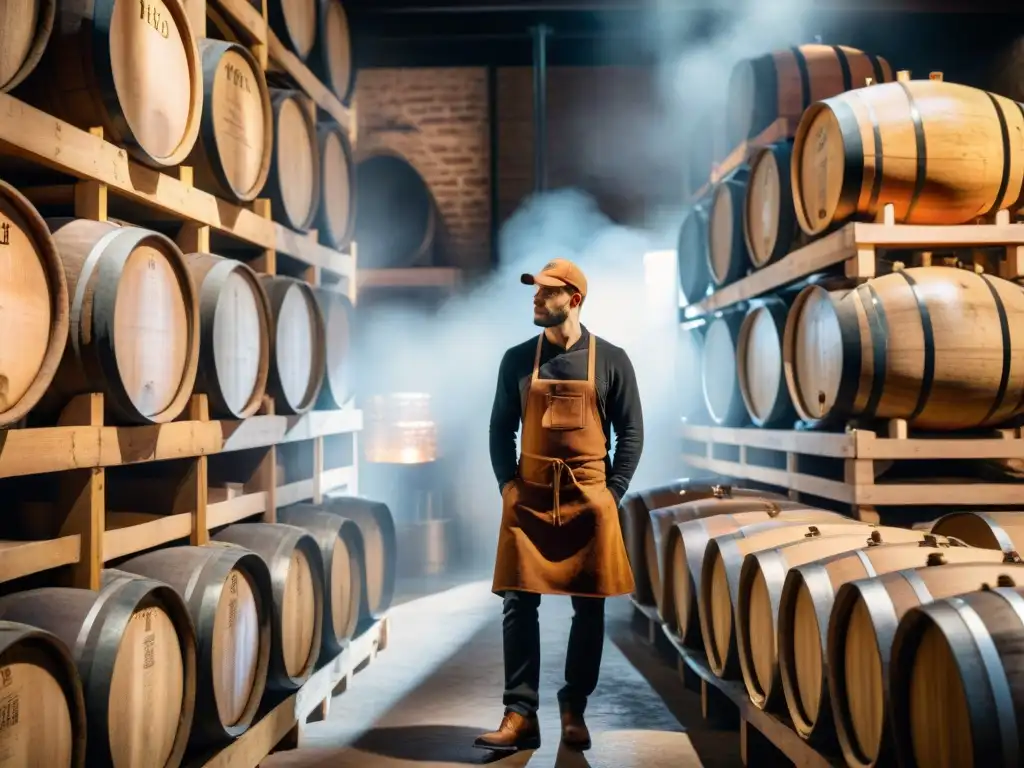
(453, 354)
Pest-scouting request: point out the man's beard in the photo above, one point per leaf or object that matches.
(552, 319)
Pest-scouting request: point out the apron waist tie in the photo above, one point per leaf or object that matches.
(558, 466)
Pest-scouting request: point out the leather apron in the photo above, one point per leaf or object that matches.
(560, 532)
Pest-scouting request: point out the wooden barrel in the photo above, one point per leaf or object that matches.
(330, 58)
(692, 253)
(234, 349)
(380, 550)
(294, 181)
(134, 321)
(396, 214)
(894, 349)
(955, 680)
(33, 306)
(805, 605)
(227, 591)
(919, 159)
(687, 542)
(232, 157)
(42, 708)
(761, 578)
(690, 392)
(296, 571)
(145, 90)
(338, 314)
(991, 530)
(720, 575)
(759, 368)
(666, 520)
(298, 360)
(295, 24)
(635, 518)
(861, 627)
(135, 648)
(341, 547)
(335, 214)
(783, 83)
(770, 228)
(722, 395)
(27, 27)
(728, 259)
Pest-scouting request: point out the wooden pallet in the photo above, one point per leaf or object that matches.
(859, 450)
(284, 725)
(858, 246)
(765, 740)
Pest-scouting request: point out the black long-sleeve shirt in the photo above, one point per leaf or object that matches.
(618, 400)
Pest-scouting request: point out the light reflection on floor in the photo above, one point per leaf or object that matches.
(438, 685)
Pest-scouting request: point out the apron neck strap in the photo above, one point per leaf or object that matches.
(536, 357)
(591, 359)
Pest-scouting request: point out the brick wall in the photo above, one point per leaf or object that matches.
(438, 120)
(606, 135)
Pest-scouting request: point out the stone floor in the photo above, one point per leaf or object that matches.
(438, 685)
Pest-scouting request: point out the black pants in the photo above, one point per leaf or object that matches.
(521, 632)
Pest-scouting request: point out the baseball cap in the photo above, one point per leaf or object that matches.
(559, 272)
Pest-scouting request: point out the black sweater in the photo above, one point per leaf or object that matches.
(617, 396)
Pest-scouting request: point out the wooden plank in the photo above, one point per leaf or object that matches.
(21, 558)
(307, 250)
(933, 236)
(132, 538)
(817, 486)
(229, 511)
(812, 443)
(316, 90)
(417, 277)
(56, 449)
(247, 20)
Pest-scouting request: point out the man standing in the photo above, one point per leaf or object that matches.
(560, 531)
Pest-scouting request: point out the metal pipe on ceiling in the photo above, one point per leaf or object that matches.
(540, 106)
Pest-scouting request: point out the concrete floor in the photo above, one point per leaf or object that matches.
(438, 685)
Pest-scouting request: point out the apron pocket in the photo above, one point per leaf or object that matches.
(565, 412)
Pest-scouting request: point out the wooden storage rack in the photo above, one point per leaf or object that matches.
(103, 180)
(765, 740)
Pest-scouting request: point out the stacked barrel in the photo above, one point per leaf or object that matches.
(879, 643)
(180, 647)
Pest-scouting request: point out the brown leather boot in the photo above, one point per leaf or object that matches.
(515, 733)
(575, 733)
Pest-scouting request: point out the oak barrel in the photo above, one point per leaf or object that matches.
(338, 314)
(131, 67)
(861, 628)
(380, 549)
(27, 25)
(33, 306)
(761, 579)
(770, 228)
(718, 592)
(135, 649)
(955, 680)
(231, 159)
(330, 58)
(665, 519)
(42, 708)
(692, 253)
(298, 360)
(134, 321)
(805, 605)
(727, 255)
(719, 379)
(297, 597)
(635, 518)
(894, 348)
(294, 181)
(341, 549)
(783, 83)
(941, 153)
(335, 216)
(396, 213)
(991, 530)
(295, 24)
(234, 323)
(687, 542)
(227, 591)
(759, 366)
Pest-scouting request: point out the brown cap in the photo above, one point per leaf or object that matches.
(559, 272)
